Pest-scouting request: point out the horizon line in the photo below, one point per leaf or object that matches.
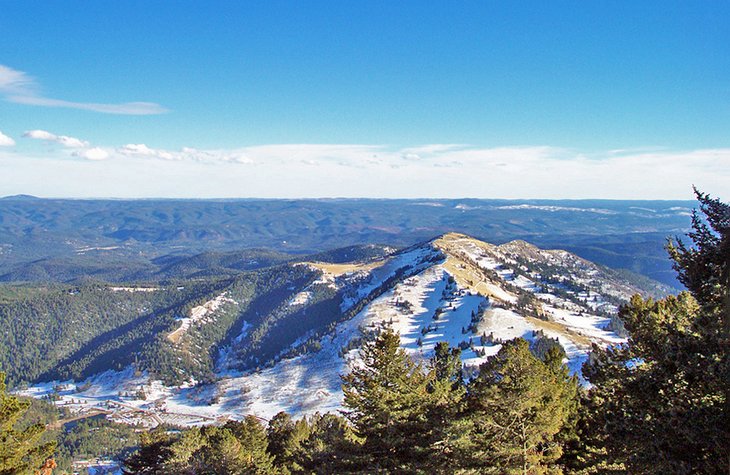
(28, 197)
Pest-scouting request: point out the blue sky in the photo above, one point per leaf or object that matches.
(385, 99)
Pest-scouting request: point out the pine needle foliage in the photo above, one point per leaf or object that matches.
(21, 450)
(661, 403)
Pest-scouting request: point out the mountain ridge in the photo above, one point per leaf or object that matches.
(278, 338)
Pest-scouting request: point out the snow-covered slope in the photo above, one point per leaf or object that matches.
(454, 288)
(199, 315)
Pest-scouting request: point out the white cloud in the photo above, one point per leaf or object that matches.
(229, 156)
(14, 82)
(340, 154)
(64, 140)
(20, 88)
(81, 148)
(356, 170)
(6, 141)
(186, 153)
(95, 153)
(142, 150)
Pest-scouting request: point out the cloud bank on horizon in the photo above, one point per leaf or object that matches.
(20, 88)
(72, 167)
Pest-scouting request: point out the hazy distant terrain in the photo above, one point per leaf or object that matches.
(117, 240)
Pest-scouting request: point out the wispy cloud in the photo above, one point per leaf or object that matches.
(20, 88)
(185, 154)
(81, 148)
(142, 150)
(421, 151)
(277, 154)
(366, 170)
(66, 141)
(6, 141)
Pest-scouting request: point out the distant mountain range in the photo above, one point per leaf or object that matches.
(54, 240)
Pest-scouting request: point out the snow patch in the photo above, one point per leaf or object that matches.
(200, 314)
(302, 298)
(134, 289)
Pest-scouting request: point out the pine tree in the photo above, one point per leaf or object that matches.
(329, 447)
(252, 436)
(515, 408)
(285, 438)
(237, 448)
(661, 403)
(386, 400)
(446, 396)
(154, 449)
(446, 364)
(21, 451)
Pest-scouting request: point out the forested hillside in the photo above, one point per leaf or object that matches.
(453, 355)
(54, 332)
(61, 331)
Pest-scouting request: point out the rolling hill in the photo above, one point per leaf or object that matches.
(54, 240)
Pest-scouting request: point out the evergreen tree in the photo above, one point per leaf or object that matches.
(153, 450)
(447, 392)
(285, 439)
(446, 364)
(237, 448)
(515, 408)
(251, 434)
(661, 403)
(21, 451)
(386, 400)
(187, 455)
(329, 447)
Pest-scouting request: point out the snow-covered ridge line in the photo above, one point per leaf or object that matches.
(455, 288)
(199, 314)
(103, 248)
(555, 208)
(412, 261)
(359, 286)
(134, 289)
